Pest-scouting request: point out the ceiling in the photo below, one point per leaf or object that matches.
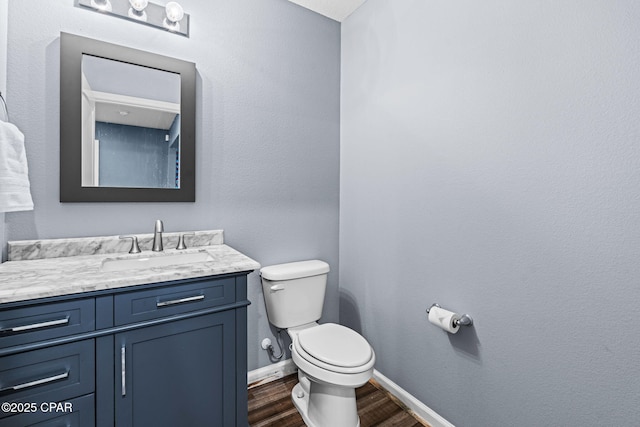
(337, 10)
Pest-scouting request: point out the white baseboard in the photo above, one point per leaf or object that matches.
(418, 408)
(271, 372)
(287, 367)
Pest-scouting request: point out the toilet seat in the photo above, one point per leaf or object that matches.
(335, 348)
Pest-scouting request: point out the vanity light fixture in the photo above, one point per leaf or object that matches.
(170, 17)
(136, 11)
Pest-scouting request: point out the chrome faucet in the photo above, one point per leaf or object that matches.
(157, 237)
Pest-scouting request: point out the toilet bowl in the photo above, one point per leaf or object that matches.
(332, 359)
(332, 362)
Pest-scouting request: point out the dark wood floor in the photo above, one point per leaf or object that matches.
(270, 406)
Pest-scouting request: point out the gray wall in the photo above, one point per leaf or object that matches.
(490, 163)
(267, 131)
(3, 87)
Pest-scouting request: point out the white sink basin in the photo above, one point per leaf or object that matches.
(141, 262)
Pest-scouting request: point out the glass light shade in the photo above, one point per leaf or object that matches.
(138, 5)
(174, 11)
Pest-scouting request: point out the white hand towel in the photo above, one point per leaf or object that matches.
(15, 193)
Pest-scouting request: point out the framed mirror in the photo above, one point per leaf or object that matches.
(127, 124)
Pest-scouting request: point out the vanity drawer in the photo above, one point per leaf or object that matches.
(161, 302)
(46, 321)
(51, 374)
(78, 412)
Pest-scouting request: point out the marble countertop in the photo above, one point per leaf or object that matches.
(28, 279)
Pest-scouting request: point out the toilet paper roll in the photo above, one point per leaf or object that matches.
(445, 319)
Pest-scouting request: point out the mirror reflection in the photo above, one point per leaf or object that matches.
(130, 125)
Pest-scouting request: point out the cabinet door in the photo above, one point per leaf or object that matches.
(180, 373)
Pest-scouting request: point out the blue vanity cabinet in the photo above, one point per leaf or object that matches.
(163, 354)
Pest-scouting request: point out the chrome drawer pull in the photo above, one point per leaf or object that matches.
(123, 370)
(179, 301)
(37, 382)
(23, 328)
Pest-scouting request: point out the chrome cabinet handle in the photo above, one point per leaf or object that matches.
(31, 326)
(36, 382)
(123, 369)
(160, 304)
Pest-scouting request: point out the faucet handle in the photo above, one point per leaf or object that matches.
(135, 249)
(181, 244)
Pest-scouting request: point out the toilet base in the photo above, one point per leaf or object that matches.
(326, 405)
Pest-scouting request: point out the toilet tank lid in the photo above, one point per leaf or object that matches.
(294, 270)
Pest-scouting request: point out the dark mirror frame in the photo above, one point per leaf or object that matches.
(72, 48)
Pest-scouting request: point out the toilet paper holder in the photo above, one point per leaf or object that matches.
(463, 320)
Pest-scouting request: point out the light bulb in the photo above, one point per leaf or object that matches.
(174, 14)
(174, 11)
(138, 5)
(136, 11)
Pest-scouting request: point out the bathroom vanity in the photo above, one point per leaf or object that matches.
(154, 346)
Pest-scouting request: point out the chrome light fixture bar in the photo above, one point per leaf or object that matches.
(170, 17)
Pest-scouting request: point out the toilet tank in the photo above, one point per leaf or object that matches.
(294, 292)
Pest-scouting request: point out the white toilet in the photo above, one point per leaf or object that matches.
(332, 360)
